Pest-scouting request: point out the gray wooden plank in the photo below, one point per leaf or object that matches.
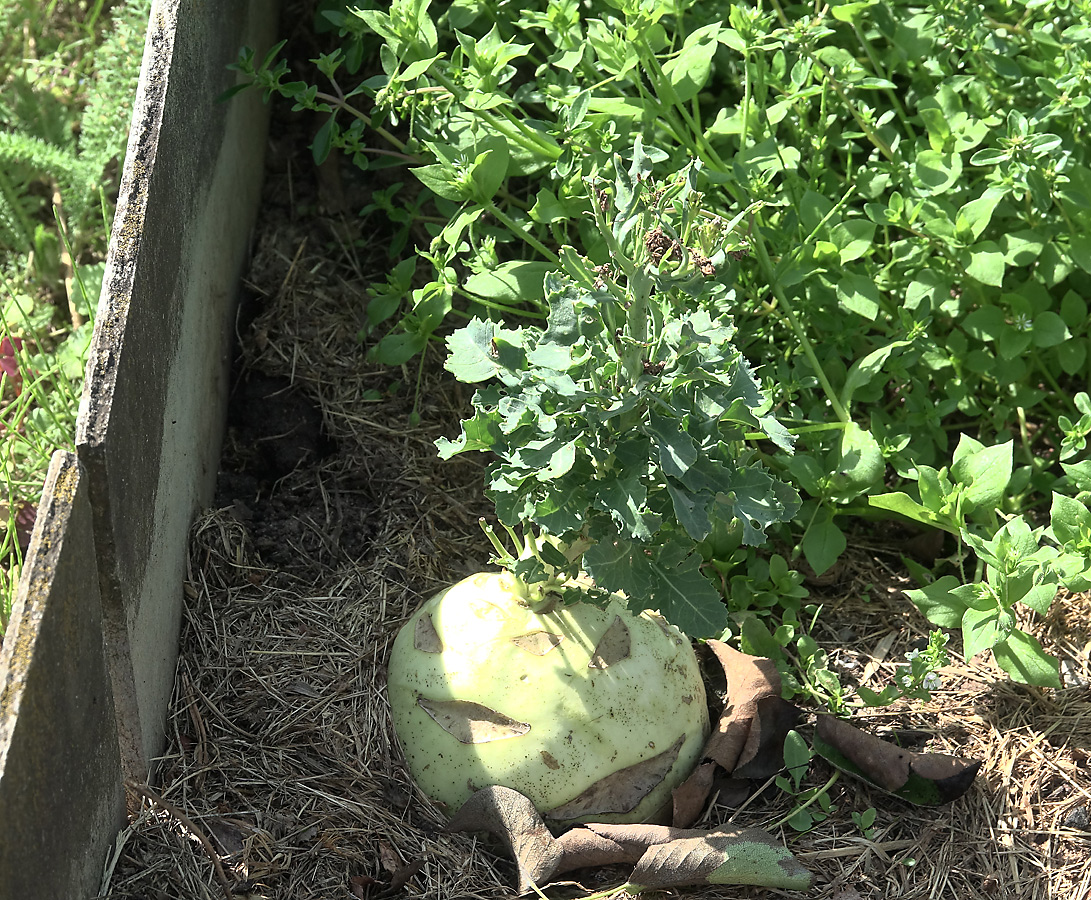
(61, 795)
(152, 413)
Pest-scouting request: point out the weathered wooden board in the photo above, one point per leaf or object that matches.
(61, 797)
(154, 401)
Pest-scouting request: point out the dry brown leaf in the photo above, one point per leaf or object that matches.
(763, 755)
(389, 858)
(583, 848)
(664, 856)
(721, 856)
(748, 739)
(359, 884)
(635, 839)
(228, 835)
(509, 816)
(926, 779)
(401, 878)
(690, 796)
(755, 717)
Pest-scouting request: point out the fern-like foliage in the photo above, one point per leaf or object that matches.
(66, 144)
(25, 160)
(104, 126)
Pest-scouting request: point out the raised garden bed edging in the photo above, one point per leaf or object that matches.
(61, 797)
(151, 418)
(87, 664)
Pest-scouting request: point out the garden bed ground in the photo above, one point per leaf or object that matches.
(334, 519)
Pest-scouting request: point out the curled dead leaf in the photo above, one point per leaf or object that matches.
(583, 848)
(748, 739)
(721, 856)
(401, 877)
(663, 856)
(755, 718)
(926, 779)
(511, 818)
(359, 885)
(634, 840)
(690, 796)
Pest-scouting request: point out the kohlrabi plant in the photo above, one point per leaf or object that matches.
(622, 431)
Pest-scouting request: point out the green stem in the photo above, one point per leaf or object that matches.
(692, 134)
(627, 888)
(814, 799)
(340, 103)
(833, 211)
(521, 135)
(801, 335)
(1024, 434)
(872, 135)
(420, 380)
(501, 308)
(511, 200)
(665, 120)
(805, 429)
(1057, 389)
(490, 533)
(640, 288)
(1072, 229)
(514, 537)
(529, 541)
(531, 135)
(877, 65)
(515, 228)
(746, 98)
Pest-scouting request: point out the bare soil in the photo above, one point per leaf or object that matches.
(334, 519)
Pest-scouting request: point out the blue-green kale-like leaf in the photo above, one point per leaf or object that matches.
(625, 418)
(470, 354)
(556, 357)
(707, 474)
(478, 433)
(625, 497)
(759, 500)
(515, 412)
(559, 463)
(677, 451)
(667, 579)
(690, 509)
(563, 324)
(777, 433)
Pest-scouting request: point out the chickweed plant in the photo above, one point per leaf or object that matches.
(68, 75)
(913, 185)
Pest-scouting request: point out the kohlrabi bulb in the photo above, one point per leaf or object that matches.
(594, 714)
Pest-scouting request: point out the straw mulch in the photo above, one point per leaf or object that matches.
(282, 777)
